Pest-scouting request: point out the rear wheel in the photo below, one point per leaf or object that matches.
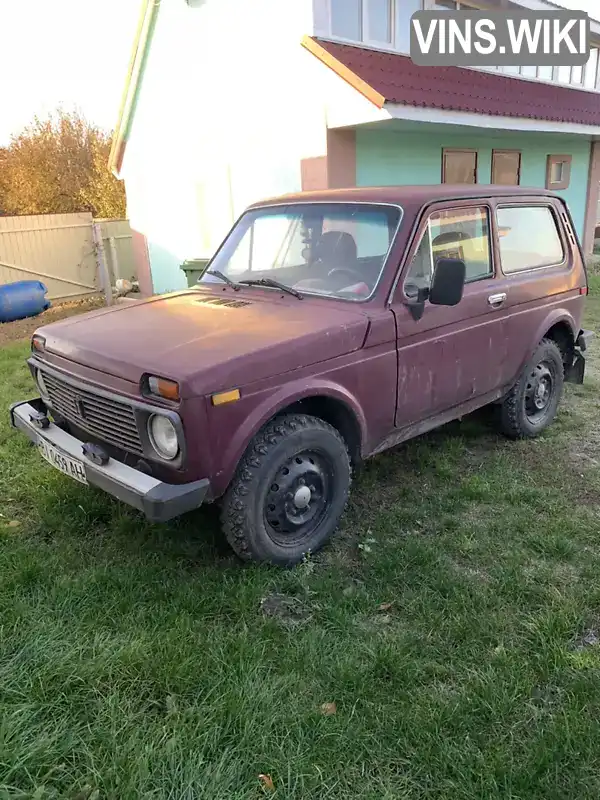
(289, 491)
(531, 404)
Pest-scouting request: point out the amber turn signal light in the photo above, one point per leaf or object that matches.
(226, 397)
(38, 344)
(161, 387)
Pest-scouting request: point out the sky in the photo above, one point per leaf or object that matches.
(75, 54)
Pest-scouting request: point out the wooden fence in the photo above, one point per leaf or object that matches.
(64, 252)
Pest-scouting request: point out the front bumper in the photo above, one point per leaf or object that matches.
(159, 501)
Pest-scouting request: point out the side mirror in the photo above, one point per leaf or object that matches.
(448, 282)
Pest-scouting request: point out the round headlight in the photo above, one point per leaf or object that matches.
(163, 436)
(41, 385)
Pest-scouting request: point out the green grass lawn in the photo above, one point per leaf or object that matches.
(136, 661)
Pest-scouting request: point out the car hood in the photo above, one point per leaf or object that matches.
(208, 341)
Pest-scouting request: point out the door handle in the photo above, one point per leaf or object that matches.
(497, 299)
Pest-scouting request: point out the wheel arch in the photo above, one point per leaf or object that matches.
(563, 335)
(559, 326)
(337, 413)
(329, 401)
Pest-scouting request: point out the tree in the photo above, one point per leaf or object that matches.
(57, 166)
(3, 157)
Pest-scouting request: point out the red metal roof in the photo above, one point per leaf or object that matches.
(394, 78)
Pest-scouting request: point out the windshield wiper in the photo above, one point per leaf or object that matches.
(216, 273)
(274, 284)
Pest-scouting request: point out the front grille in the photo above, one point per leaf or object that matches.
(108, 420)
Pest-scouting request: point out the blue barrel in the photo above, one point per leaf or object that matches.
(22, 299)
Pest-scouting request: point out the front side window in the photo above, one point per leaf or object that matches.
(529, 238)
(330, 249)
(454, 233)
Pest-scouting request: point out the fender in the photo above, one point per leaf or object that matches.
(273, 404)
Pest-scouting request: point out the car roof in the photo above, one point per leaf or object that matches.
(405, 195)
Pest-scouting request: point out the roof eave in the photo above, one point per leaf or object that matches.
(499, 122)
(133, 82)
(313, 46)
(333, 55)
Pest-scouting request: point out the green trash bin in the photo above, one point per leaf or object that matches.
(193, 269)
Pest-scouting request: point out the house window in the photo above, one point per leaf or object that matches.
(368, 21)
(528, 238)
(577, 75)
(379, 20)
(346, 19)
(448, 5)
(587, 76)
(459, 166)
(545, 73)
(506, 167)
(529, 71)
(558, 172)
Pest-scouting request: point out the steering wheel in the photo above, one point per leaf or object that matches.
(355, 277)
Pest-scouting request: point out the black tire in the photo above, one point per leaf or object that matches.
(531, 405)
(289, 491)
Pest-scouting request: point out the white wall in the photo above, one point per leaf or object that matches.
(230, 104)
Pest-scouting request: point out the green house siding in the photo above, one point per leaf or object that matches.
(385, 158)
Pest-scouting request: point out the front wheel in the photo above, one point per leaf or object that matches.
(531, 404)
(289, 491)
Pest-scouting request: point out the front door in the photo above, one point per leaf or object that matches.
(452, 354)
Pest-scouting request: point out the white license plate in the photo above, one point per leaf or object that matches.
(62, 462)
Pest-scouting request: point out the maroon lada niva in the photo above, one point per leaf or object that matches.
(328, 327)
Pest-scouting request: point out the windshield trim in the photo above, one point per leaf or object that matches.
(284, 204)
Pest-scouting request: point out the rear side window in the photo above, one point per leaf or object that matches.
(529, 238)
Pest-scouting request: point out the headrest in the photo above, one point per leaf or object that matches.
(336, 248)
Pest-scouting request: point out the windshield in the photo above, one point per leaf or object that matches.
(331, 249)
